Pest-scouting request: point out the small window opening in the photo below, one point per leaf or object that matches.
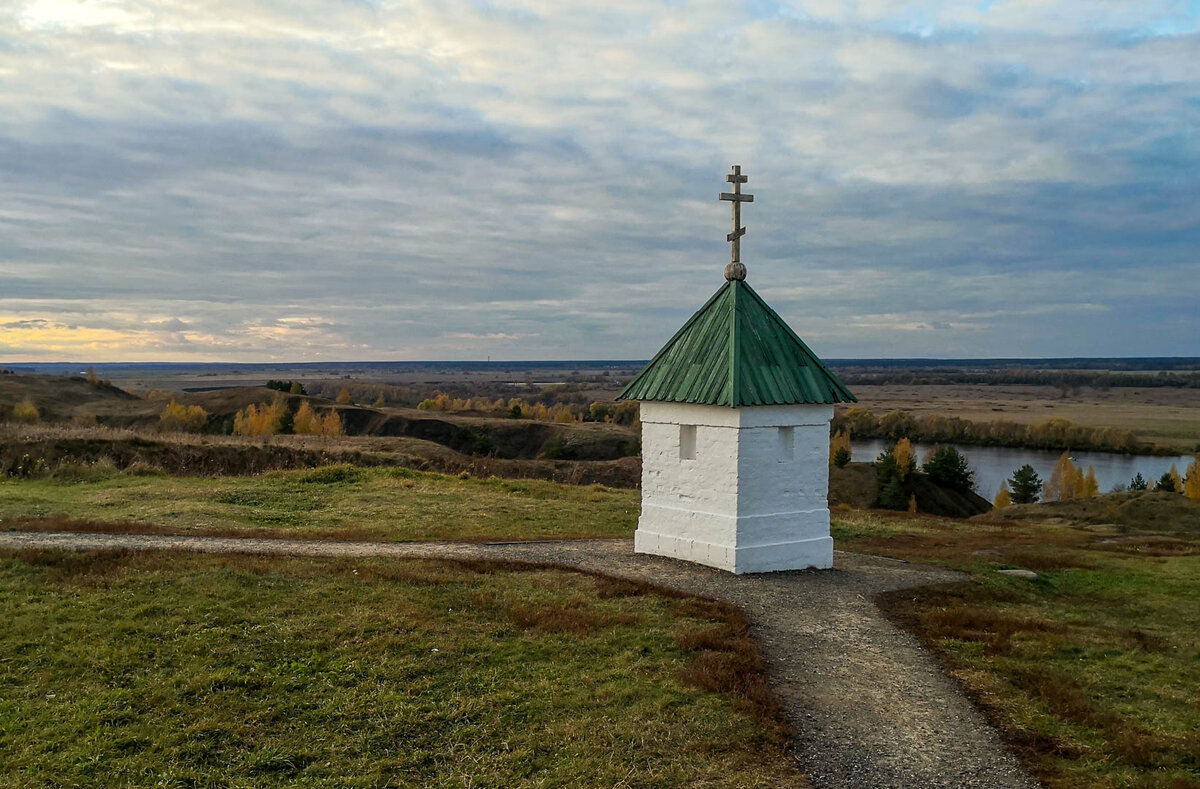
(687, 442)
(787, 443)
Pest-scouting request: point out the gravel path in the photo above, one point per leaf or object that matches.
(870, 708)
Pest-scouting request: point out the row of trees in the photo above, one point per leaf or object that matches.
(1053, 433)
(182, 418)
(894, 467)
(624, 413)
(1068, 481)
(1059, 378)
(276, 418)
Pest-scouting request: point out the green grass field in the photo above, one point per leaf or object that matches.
(334, 501)
(1093, 669)
(164, 670)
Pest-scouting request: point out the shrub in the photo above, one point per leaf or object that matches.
(891, 495)
(841, 457)
(84, 420)
(839, 449)
(26, 411)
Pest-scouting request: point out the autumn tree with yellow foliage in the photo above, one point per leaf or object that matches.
(1191, 485)
(306, 421)
(309, 422)
(1088, 484)
(331, 425)
(344, 397)
(1003, 497)
(906, 458)
(1065, 481)
(839, 449)
(184, 418)
(263, 419)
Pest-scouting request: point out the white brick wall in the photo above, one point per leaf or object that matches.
(741, 504)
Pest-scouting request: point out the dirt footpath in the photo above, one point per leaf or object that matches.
(870, 708)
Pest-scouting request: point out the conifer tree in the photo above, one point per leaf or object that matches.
(1091, 486)
(1165, 484)
(1026, 485)
(1003, 497)
(1138, 482)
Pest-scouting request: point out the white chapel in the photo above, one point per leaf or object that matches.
(735, 413)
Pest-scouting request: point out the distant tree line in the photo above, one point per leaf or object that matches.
(581, 393)
(623, 413)
(1059, 378)
(288, 387)
(1055, 433)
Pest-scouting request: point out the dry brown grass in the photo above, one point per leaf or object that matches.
(73, 451)
(566, 618)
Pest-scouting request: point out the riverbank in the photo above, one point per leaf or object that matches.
(993, 465)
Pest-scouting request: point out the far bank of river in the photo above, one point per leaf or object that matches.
(993, 465)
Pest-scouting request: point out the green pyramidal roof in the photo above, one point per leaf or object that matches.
(736, 351)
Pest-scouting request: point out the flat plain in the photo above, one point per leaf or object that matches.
(1162, 415)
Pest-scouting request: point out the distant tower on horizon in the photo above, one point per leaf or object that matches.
(735, 413)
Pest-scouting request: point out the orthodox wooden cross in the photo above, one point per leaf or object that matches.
(737, 198)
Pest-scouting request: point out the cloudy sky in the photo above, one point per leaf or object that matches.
(311, 179)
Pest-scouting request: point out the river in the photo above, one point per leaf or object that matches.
(993, 465)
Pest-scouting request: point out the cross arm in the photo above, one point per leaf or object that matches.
(737, 198)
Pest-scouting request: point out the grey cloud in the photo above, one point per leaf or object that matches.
(420, 176)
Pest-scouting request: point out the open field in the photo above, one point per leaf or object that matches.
(183, 670)
(1168, 416)
(1092, 669)
(335, 501)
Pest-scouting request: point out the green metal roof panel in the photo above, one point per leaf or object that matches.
(736, 352)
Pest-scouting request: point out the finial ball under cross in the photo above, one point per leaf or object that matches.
(735, 269)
